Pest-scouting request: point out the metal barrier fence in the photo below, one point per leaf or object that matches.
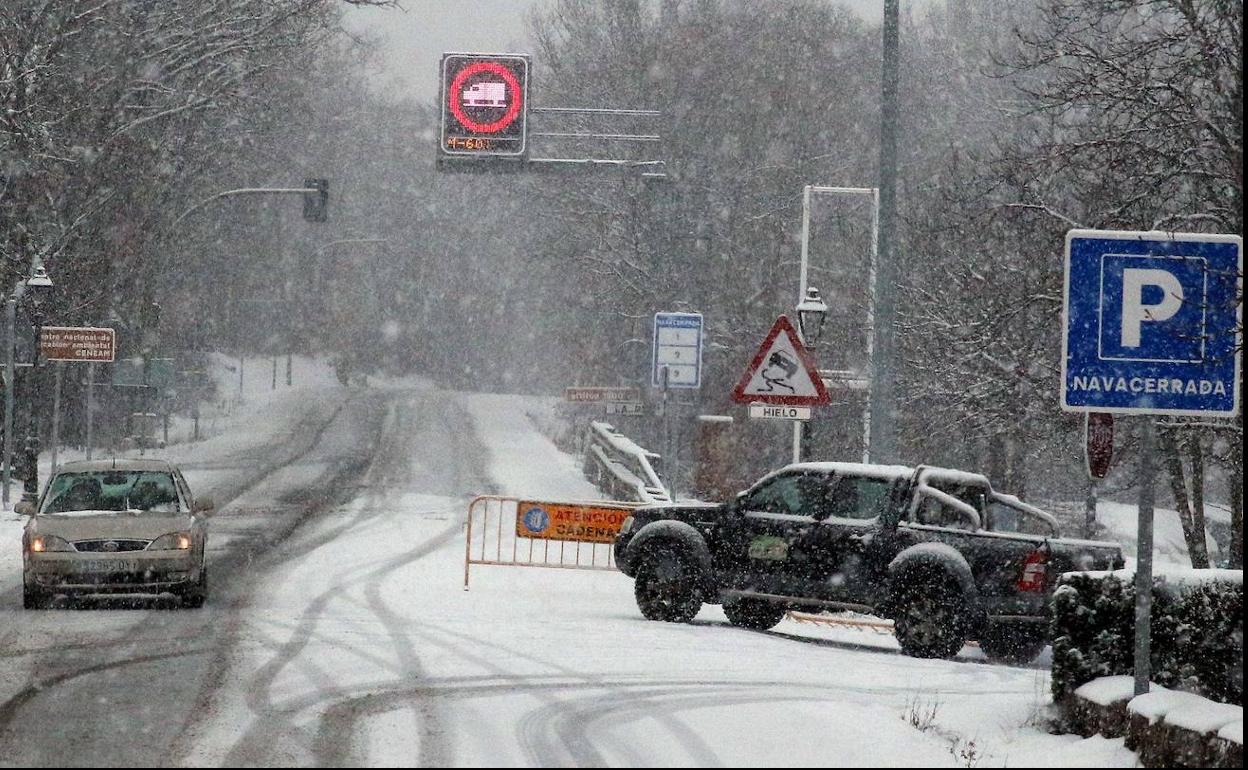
(519, 532)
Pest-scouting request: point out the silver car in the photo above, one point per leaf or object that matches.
(115, 526)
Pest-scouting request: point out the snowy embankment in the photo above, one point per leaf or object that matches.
(524, 462)
(1120, 521)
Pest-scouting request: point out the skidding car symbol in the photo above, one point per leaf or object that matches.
(486, 94)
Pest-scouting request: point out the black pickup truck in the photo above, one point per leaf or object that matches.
(936, 550)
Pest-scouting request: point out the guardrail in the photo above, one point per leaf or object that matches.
(515, 532)
(620, 467)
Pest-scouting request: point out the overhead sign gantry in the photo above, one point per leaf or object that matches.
(485, 106)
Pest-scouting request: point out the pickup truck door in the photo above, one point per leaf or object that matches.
(770, 540)
(860, 536)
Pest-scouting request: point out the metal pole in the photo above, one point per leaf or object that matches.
(883, 372)
(1144, 560)
(90, 407)
(10, 377)
(289, 379)
(669, 449)
(274, 386)
(240, 378)
(801, 295)
(872, 274)
(1089, 509)
(56, 412)
(805, 269)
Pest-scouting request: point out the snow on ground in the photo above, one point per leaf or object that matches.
(523, 462)
(364, 648)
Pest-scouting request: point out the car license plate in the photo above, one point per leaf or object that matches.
(107, 565)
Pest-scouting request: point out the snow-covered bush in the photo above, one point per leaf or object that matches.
(1197, 631)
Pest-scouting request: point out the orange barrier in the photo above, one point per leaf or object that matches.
(519, 532)
(878, 626)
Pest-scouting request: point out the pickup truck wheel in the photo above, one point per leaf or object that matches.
(753, 613)
(1013, 642)
(929, 621)
(666, 586)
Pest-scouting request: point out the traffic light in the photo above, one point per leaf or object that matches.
(316, 204)
(485, 104)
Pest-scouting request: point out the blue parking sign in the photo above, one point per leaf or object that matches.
(1151, 323)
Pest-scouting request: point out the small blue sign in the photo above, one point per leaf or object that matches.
(1151, 323)
(536, 520)
(677, 349)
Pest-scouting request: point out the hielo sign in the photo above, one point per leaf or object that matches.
(782, 373)
(1151, 323)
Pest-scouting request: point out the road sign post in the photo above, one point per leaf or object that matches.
(1151, 327)
(676, 362)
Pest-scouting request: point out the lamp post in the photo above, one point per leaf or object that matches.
(812, 311)
(38, 281)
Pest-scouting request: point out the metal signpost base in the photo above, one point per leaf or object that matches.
(1144, 560)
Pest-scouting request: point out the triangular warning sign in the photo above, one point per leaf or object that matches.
(782, 372)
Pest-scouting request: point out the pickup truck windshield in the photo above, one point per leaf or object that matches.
(112, 491)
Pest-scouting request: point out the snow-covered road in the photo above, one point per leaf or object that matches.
(352, 642)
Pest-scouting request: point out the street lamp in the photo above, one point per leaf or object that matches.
(812, 311)
(38, 282)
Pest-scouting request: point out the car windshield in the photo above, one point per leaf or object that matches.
(112, 491)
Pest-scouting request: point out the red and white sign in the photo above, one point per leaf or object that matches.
(484, 104)
(782, 372)
(1098, 445)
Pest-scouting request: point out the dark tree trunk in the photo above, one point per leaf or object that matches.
(1178, 488)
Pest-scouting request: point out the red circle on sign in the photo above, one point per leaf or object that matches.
(456, 96)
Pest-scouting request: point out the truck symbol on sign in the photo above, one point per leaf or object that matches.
(485, 94)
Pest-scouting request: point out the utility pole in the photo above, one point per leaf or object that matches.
(883, 442)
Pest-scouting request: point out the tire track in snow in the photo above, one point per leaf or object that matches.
(390, 471)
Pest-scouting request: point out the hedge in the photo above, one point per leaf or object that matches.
(1197, 631)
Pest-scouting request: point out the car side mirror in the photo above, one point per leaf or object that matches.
(24, 508)
(204, 505)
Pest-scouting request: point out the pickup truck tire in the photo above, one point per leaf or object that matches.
(667, 586)
(929, 621)
(753, 613)
(1013, 642)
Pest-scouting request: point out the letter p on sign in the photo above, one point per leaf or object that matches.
(1167, 299)
(1152, 308)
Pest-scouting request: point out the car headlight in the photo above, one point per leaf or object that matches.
(50, 543)
(174, 541)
